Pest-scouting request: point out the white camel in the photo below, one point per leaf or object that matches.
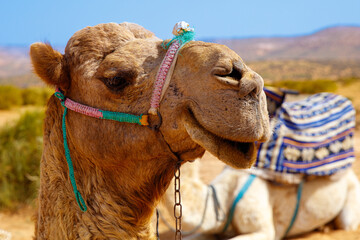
(311, 137)
(266, 209)
(4, 235)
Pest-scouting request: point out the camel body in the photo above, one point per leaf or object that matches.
(266, 209)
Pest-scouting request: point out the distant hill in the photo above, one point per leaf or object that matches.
(331, 53)
(23, 81)
(15, 67)
(14, 61)
(335, 43)
(274, 70)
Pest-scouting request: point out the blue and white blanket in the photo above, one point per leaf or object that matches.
(313, 136)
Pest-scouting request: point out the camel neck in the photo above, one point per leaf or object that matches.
(120, 197)
(119, 206)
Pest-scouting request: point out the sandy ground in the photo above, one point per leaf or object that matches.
(20, 224)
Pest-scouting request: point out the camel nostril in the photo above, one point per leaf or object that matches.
(250, 84)
(238, 70)
(229, 75)
(236, 73)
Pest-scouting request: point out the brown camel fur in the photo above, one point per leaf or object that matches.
(214, 102)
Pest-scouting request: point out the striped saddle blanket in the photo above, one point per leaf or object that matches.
(313, 136)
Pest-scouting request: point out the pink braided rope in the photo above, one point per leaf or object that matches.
(163, 71)
(77, 107)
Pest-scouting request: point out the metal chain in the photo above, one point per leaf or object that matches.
(177, 205)
(157, 225)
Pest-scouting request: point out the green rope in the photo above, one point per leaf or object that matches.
(79, 199)
(298, 198)
(240, 195)
(59, 95)
(182, 38)
(121, 117)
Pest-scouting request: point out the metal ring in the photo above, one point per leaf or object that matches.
(156, 126)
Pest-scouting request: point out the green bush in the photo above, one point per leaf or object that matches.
(309, 86)
(20, 153)
(10, 96)
(36, 96)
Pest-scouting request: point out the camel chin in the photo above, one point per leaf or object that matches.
(232, 153)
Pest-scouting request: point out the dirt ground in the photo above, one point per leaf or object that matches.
(21, 226)
(9, 116)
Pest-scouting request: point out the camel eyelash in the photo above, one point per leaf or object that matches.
(121, 80)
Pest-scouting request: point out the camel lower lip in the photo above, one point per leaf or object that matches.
(244, 147)
(235, 154)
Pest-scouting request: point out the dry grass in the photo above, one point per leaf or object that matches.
(10, 116)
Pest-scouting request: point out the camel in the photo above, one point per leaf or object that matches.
(213, 102)
(328, 190)
(266, 209)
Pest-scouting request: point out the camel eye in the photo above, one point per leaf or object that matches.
(116, 83)
(121, 80)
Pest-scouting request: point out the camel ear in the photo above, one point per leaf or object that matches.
(48, 65)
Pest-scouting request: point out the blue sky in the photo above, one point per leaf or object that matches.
(24, 22)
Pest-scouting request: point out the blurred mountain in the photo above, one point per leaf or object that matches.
(300, 69)
(15, 67)
(14, 60)
(331, 53)
(334, 43)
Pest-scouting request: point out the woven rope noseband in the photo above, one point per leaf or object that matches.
(183, 34)
(101, 114)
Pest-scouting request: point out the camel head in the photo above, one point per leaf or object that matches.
(213, 102)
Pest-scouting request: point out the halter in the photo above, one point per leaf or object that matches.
(183, 34)
(67, 103)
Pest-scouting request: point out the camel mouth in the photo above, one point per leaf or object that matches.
(233, 153)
